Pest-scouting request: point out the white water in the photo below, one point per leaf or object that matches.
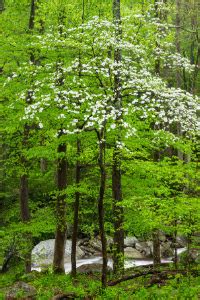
(128, 263)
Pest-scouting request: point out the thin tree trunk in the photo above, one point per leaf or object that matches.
(118, 255)
(32, 14)
(24, 200)
(175, 245)
(25, 216)
(2, 6)
(179, 131)
(195, 44)
(61, 228)
(78, 174)
(156, 249)
(178, 32)
(118, 251)
(24, 190)
(101, 211)
(43, 165)
(76, 211)
(178, 73)
(155, 234)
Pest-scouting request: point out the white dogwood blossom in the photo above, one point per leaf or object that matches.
(80, 95)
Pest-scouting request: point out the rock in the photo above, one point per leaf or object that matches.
(88, 251)
(162, 236)
(91, 268)
(109, 241)
(21, 290)
(109, 244)
(192, 257)
(91, 247)
(83, 242)
(181, 242)
(130, 241)
(42, 253)
(166, 250)
(132, 253)
(65, 296)
(143, 248)
(95, 244)
(150, 245)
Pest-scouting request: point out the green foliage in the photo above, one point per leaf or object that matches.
(48, 285)
(159, 162)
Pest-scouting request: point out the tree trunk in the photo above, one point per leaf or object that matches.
(118, 263)
(2, 7)
(24, 190)
(43, 165)
(25, 216)
(178, 44)
(195, 45)
(24, 197)
(61, 228)
(101, 210)
(76, 211)
(156, 249)
(78, 174)
(155, 235)
(175, 245)
(118, 251)
(32, 14)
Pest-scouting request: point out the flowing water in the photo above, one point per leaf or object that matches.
(128, 263)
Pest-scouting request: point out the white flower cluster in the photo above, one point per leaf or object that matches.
(82, 95)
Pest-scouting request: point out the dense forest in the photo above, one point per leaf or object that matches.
(100, 127)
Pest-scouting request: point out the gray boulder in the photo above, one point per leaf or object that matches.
(150, 245)
(109, 241)
(162, 236)
(192, 257)
(91, 247)
(166, 250)
(42, 253)
(132, 253)
(91, 268)
(95, 244)
(130, 241)
(181, 242)
(143, 248)
(23, 290)
(66, 296)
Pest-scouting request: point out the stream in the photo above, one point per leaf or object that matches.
(128, 262)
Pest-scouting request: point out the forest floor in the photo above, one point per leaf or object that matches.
(165, 285)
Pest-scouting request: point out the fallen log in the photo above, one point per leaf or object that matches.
(150, 272)
(129, 277)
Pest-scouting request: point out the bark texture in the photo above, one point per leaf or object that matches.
(101, 211)
(32, 14)
(25, 216)
(24, 189)
(2, 7)
(76, 211)
(61, 228)
(118, 251)
(156, 249)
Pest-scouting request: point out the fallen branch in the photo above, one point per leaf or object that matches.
(129, 277)
(150, 272)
